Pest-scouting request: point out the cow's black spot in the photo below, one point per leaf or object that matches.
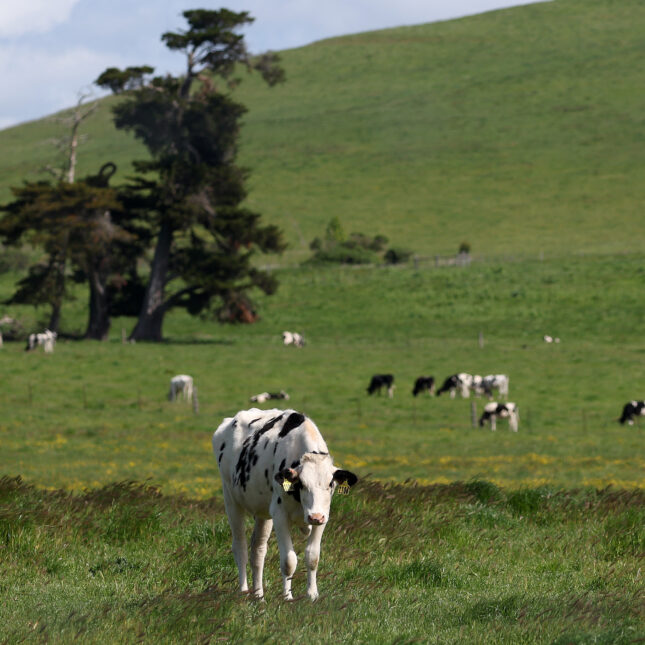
(266, 443)
(295, 491)
(295, 464)
(222, 446)
(271, 423)
(295, 419)
(275, 447)
(219, 459)
(279, 501)
(255, 459)
(319, 452)
(254, 421)
(282, 464)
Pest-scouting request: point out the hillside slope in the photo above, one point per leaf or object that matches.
(520, 131)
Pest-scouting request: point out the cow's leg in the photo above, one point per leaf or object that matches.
(512, 422)
(236, 520)
(390, 391)
(453, 393)
(288, 559)
(259, 540)
(312, 555)
(493, 422)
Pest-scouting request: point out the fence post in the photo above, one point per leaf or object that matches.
(195, 401)
(29, 394)
(473, 414)
(123, 335)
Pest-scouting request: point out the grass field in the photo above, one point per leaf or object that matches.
(541, 542)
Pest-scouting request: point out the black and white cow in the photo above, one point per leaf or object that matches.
(461, 382)
(275, 466)
(424, 384)
(379, 381)
(631, 410)
(268, 396)
(494, 411)
(497, 382)
(47, 339)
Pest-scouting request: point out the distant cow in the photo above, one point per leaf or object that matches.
(379, 381)
(497, 382)
(293, 338)
(631, 410)
(46, 339)
(275, 466)
(267, 396)
(550, 339)
(424, 384)
(181, 384)
(452, 384)
(493, 411)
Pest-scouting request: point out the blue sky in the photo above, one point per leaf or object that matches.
(52, 50)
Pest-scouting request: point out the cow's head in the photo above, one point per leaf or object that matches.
(313, 483)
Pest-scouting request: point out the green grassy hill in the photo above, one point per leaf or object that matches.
(520, 131)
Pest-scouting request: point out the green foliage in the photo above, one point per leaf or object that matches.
(338, 248)
(397, 255)
(205, 239)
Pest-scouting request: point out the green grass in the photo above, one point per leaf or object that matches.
(358, 321)
(400, 564)
(519, 131)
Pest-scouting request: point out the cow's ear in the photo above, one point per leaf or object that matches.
(345, 477)
(288, 474)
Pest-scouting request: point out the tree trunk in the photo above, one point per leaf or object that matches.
(150, 323)
(98, 325)
(54, 318)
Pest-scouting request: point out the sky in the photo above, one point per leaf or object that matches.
(51, 51)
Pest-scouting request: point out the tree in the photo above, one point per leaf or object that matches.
(74, 224)
(191, 190)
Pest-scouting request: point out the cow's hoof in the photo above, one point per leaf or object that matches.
(312, 595)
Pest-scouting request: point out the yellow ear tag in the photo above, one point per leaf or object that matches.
(342, 488)
(286, 485)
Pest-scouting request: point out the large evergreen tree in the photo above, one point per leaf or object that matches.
(191, 190)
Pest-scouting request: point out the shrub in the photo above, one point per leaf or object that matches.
(397, 255)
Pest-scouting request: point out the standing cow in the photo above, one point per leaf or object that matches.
(631, 410)
(497, 382)
(457, 382)
(47, 339)
(424, 384)
(275, 466)
(379, 381)
(181, 384)
(494, 411)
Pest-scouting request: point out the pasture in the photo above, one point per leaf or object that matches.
(456, 534)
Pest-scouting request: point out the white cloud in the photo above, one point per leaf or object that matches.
(19, 17)
(40, 82)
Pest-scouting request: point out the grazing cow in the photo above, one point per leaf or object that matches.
(497, 382)
(181, 384)
(275, 466)
(47, 339)
(379, 381)
(493, 411)
(631, 410)
(461, 382)
(267, 396)
(424, 384)
(293, 338)
(550, 339)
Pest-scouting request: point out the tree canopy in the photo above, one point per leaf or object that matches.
(191, 190)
